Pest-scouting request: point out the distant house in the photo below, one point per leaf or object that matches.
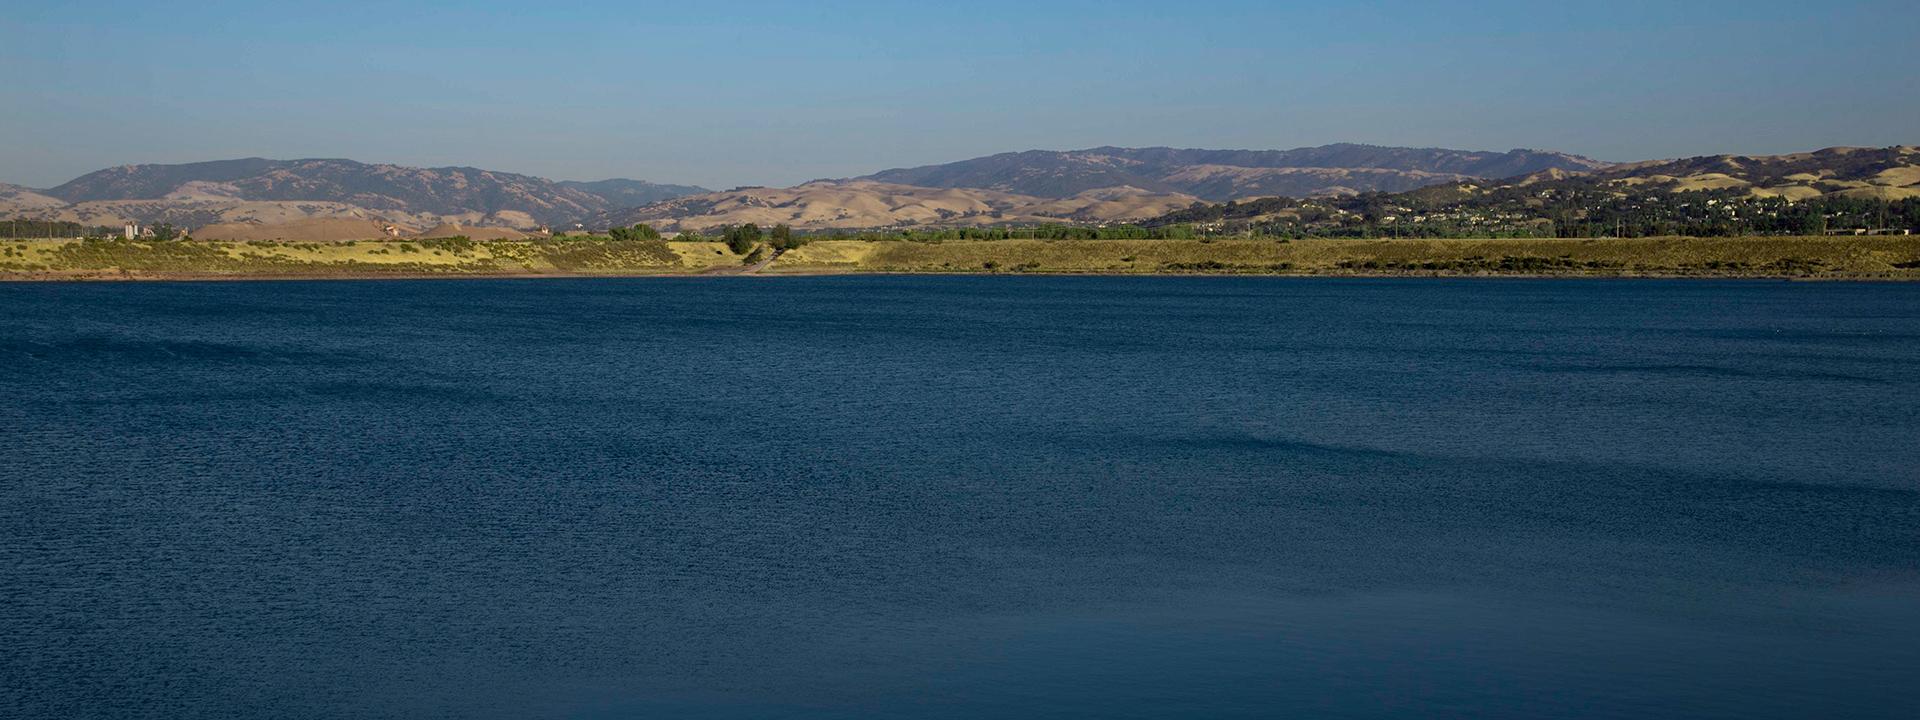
(1867, 231)
(136, 231)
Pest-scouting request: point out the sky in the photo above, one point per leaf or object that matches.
(777, 93)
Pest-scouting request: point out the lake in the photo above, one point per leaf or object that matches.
(947, 497)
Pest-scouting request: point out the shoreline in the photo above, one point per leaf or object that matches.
(1871, 259)
(159, 277)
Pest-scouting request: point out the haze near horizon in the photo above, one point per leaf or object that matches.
(765, 93)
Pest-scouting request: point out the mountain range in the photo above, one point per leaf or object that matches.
(1099, 185)
(859, 204)
(1889, 173)
(1220, 175)
(1842, 189)
(270, 191)
(623, 193)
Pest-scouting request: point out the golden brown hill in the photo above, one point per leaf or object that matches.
(303, 230)
(21, 201)
(1220, 175)
(275, 191)
(866, 204)
(1890, 173)
(448, 230)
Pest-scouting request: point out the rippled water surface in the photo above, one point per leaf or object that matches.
(960, 497)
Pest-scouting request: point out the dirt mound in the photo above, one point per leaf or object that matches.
(307, 230)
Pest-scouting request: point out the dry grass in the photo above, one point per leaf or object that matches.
(1793, 193)
(1903, 176)
(1708, 181)
(1827, 257)
(447, 230)
(200, 258)
(1760, 256)
(327, 229)
(1878, 192)
(703, 255)
(866, 204)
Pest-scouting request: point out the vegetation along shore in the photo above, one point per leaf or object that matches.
(1810, 257)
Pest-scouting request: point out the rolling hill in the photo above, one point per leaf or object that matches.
(1833, 190)
(1340, 187)
(1102, 185)
(15, 199)
(1890, 173)
(623, 193)
(1219, 175)
(262, 190)
(863, 204)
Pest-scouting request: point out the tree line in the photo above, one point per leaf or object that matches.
(1567, 210)
(26, 229)
(1032, 232)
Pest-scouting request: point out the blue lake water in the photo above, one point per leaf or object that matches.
(950, 497)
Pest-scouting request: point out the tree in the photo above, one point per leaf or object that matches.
(741, 240)
(782, 237)
(637, 232)
(165, 231)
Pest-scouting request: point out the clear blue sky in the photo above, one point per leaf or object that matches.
(776, 93)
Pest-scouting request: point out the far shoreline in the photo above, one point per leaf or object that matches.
(145, 278)
(1791, 258)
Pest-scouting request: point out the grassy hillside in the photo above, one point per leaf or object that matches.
(107, 259)
(1809, 257)
(1836, 191)
(1219, 175)
(1880, 257)
(834, 205)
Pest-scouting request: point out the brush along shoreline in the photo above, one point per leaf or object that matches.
(1839, 258)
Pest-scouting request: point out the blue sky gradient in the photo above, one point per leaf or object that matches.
(779, 93)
